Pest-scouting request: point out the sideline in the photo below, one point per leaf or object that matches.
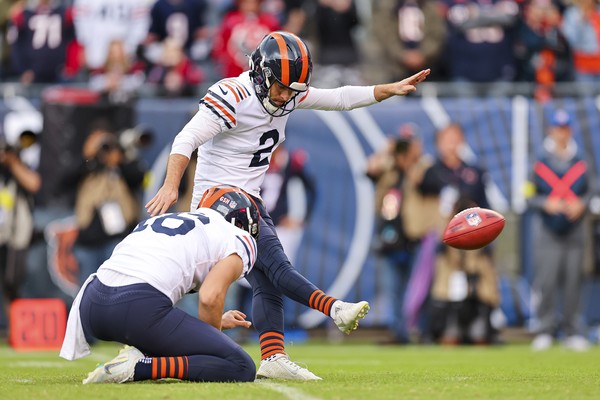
(289, 392)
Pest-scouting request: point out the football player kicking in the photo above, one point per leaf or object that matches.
(130, 299)
(239, 123)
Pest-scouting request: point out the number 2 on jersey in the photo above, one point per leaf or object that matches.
(258, 160)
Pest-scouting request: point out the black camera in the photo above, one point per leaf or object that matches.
(6, 148)
(134, 139)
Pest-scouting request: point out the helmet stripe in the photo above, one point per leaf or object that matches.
(211, 196)
(285, 62)
(304, 54)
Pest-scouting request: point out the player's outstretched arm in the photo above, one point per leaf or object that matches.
(400, 88)
(169, 192)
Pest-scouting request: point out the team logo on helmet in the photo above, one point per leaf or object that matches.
(235, 205)
(280, 57)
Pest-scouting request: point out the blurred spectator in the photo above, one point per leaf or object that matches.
(18, 184)
(542, 50)
(464, 293)
(98, 23)
(464, 290)
(175, 75)
(107, 206)
(295, 16)
(182, 21)
(120, 77)
(240, 31)
(480, 41)
(5, 11)
(412, 34)
(581, 26)
(336, 54)
(561, 192)
(38, 34)
(450, 176)
(395, 249)
(290, 14)
(287, 167)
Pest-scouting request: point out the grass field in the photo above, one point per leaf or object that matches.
(349, 371)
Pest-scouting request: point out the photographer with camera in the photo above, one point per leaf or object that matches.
(393, 170)
(18, 184)
(106, 205)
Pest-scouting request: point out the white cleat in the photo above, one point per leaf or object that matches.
(118, 370)
(577, 343)
(346, 315)
(279, 366)
(541, 342)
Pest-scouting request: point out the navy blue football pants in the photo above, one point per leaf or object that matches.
(272, 276)
(143, 317)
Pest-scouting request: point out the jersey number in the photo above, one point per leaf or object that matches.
(46, 30)
(161, 224)
(258, 160)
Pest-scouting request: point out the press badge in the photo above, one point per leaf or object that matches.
(458, 286)
(112, 218)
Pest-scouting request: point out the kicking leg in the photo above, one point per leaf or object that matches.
(267, 318)
(275, 265)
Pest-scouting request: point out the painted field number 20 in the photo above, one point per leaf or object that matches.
(37, 324)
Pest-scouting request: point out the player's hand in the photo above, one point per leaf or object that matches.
(160, 203)
(233, 319)
(416, 78)
(401, 88)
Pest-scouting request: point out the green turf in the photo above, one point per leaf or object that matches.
(349, 371)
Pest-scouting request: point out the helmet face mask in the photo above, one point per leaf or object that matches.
(235, 205)
(284, 58)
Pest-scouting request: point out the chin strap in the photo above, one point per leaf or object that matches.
(271, 109)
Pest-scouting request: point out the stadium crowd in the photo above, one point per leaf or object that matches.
(171, 47)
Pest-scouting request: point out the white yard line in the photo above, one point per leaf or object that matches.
(102, 357)
(38, 364)
(288, 392)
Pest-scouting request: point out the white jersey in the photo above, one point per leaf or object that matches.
(98, 22)
(175, 252)
(235, 136)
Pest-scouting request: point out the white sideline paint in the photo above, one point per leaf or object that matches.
(23, 381)
(287, 391)
(336, 362)
(38, 364)
(363, 225)
(101, 357)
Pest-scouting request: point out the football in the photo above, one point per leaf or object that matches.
(473, 228)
